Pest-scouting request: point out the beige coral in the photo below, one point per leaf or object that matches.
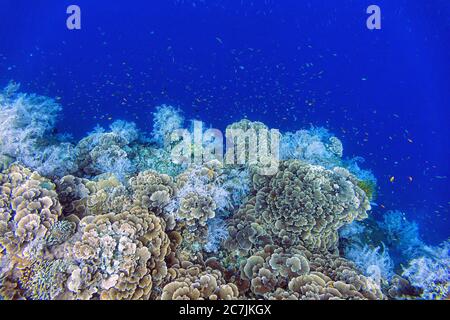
(307, 204)
(196, 208)
(29, 207)
(107, 194)
(192, 282)
(296, 273)
(152, 190)
(342, 270)
(272, 267)
(199, 194)
(83, 197)
(121, 256)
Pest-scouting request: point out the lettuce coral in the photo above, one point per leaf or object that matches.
(29, 207)
(192, 282)
(199, 194)
(307, 204)
(119, 256)
(152, 190)
(279, 273)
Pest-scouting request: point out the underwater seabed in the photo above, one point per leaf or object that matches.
(112, 217)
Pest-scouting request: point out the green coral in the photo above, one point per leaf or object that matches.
(369, 187)
(46, 279)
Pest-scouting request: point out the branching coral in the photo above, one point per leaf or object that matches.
(26, 125)
(45, 279)
(166, 119)
(107, 152)
(373, 262)
(431, 273)
(316, 146)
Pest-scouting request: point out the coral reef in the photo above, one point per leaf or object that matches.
(152, 190)
(199, 194)
(295, 273)
(113, 217)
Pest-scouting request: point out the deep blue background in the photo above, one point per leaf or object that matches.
(287, 63)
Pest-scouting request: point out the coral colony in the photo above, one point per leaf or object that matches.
(114, 216)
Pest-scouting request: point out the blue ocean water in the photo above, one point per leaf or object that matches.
(290, 64)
